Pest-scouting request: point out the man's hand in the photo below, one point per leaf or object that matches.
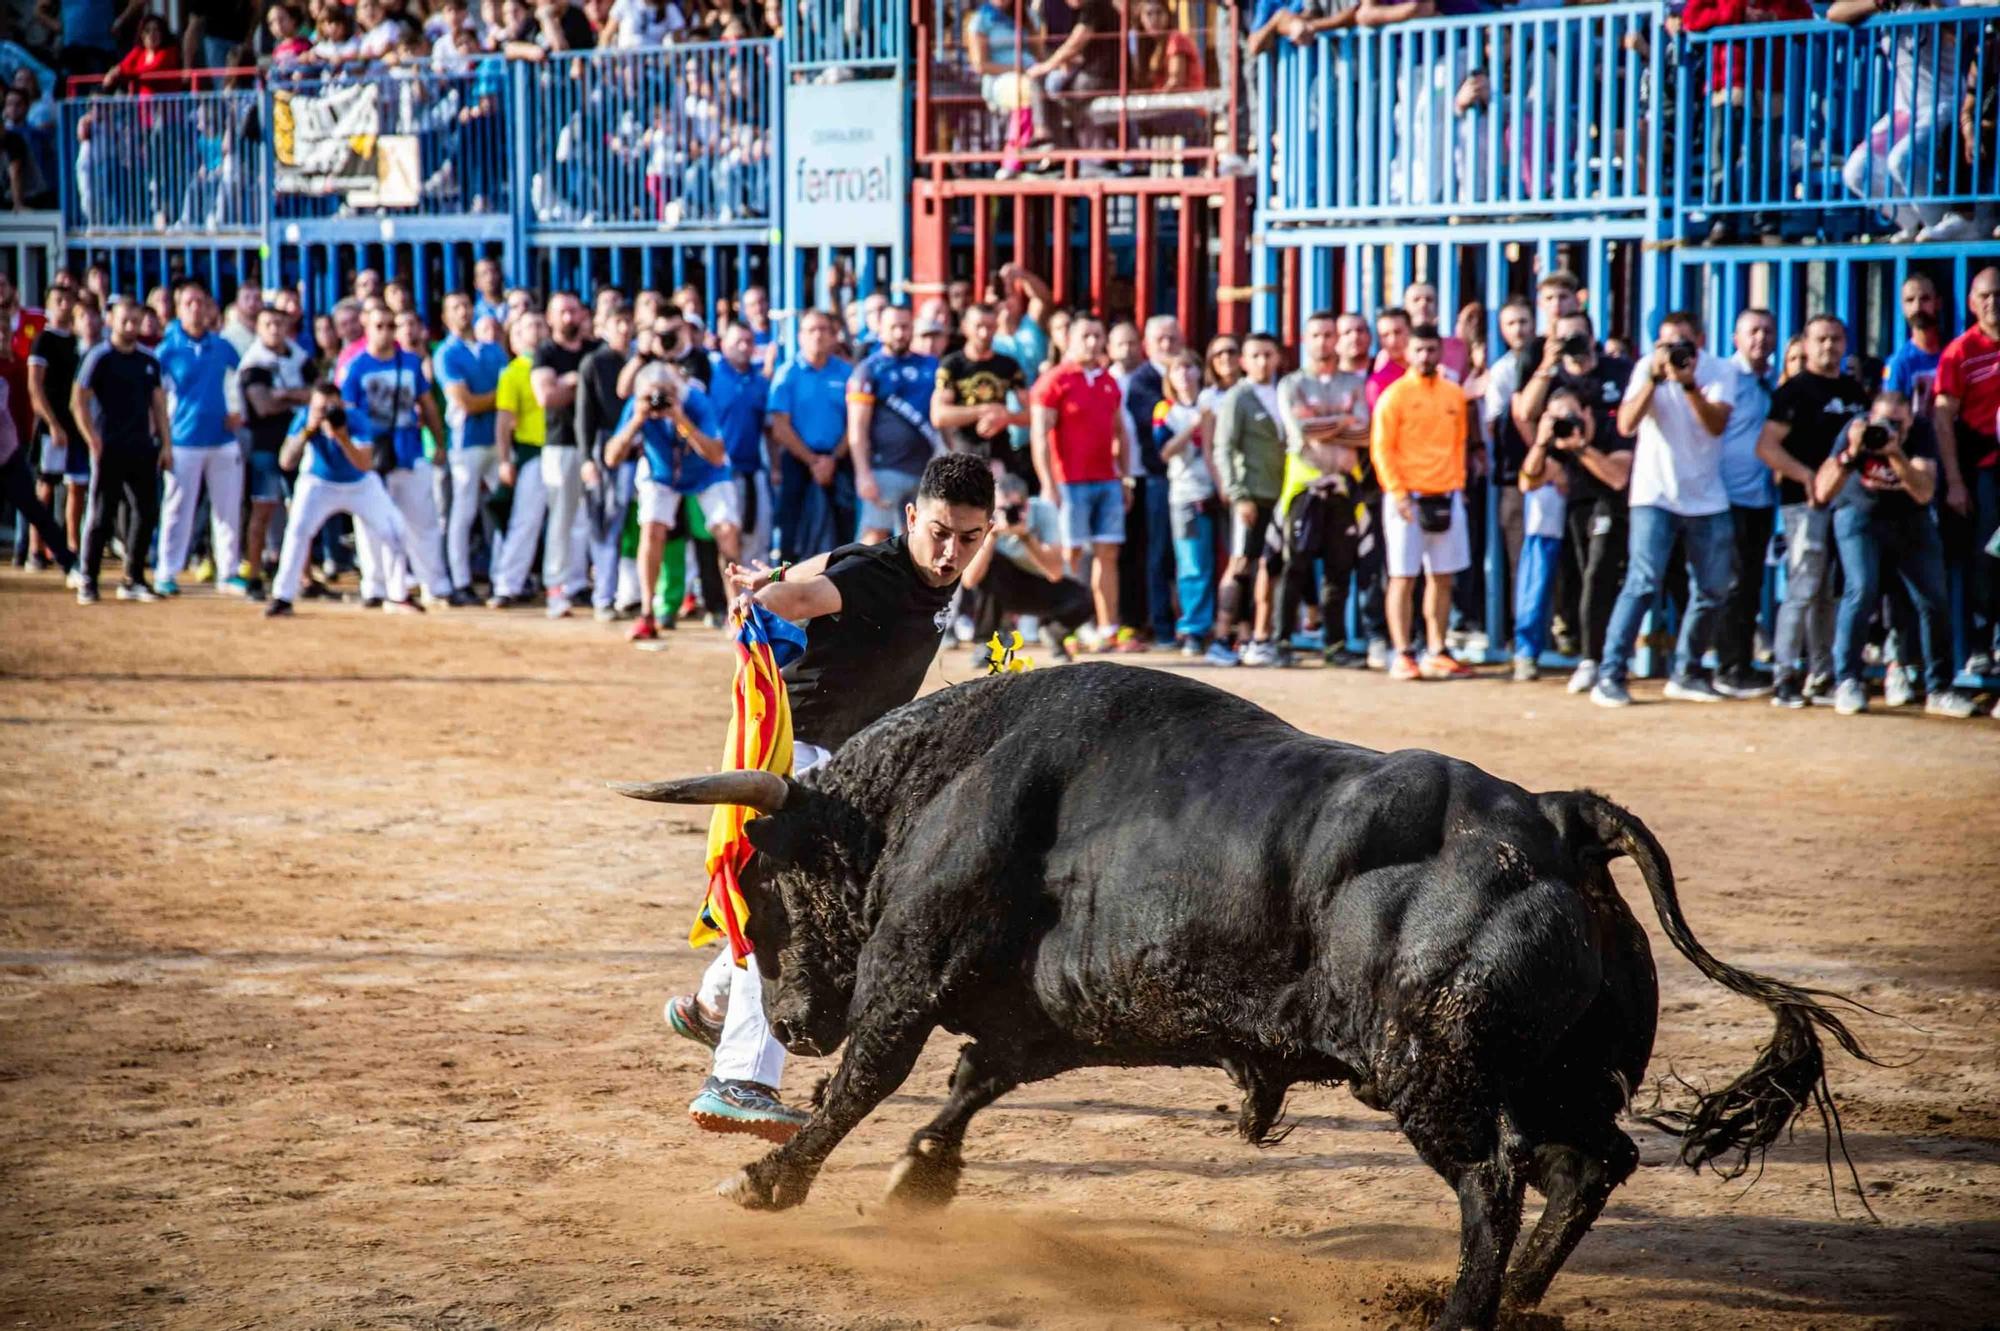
(1957, 498)
(745, 579)
(1245, 511)
(506, 471)
(590, 473)
(1661, 367)
(1684, 375)
(866, 485)
(58, 436)
(991, 421)
(166, 456)
(822, 470)
(1128, 490)
(1405, 510)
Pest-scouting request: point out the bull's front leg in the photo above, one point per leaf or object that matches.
(881, 1050)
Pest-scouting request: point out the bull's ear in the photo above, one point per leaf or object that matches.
(781, 839)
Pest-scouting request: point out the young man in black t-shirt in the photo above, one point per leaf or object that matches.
(974, 384)
(554, 376)
(874, 616)
(120, 405)
(272, 376)
(1878, 481)
(52, 363)
(1808, 413)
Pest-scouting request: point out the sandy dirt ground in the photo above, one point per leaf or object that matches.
(330, 985)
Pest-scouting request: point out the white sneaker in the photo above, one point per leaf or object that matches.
(604, 614)
(1949, 702)
(1260, 654)
(1952, 226)
(1898, 686)
(1584, 678)
(1850, 698)
(559, 606)
(74, 578)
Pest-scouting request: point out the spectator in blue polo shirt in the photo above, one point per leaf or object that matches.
(468, 371)
(889, 428)
(740, 395)
(197, 363)
(808, 419)
(671, 423)
(390, 406)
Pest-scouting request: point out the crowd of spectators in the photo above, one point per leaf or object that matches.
(549, 452)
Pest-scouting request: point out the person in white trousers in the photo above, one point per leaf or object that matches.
(468, 371)
(389, 405)
(554, 380)
(519, 426)
(199, 365)
(337, 478)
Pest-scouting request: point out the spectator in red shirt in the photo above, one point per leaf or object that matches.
(1392, 336)
(146, 64)
(1966, 413)
(1080, 444)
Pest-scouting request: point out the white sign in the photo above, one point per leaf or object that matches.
(846, 169)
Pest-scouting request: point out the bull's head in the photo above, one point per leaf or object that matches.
(795, 887)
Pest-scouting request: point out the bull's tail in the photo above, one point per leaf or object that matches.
(1745, 1117)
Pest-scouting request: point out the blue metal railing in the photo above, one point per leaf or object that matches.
(1527, 114)
(851, 34)
(165, 161)
(655, 140)
(442, 149)
(1837, 129)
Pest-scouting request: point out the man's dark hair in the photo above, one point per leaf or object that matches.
(1518, 303)
(984, 309)
(958, 479)
(1889, 397)
(327, 388)
(1425, 333)
(1392, 312)
(1261, 337)
(1584, 315)
(1822, 317)
(187, 282)
(1687, 319)
(1329, 316)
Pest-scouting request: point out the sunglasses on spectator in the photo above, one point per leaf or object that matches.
(1224, 351)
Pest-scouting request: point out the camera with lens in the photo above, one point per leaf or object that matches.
(335, 418)
(660, 401)
(1576, 346)
(1565, 427)
(1875, 436)
(1681, 355)
(1013, 515)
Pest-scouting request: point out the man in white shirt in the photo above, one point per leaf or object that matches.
(1677, 406)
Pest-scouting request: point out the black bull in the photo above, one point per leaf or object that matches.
(1106, 866)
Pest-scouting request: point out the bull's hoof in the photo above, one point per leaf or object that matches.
(764, 1187)
(925, 1179)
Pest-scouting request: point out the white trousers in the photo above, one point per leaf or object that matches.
(470, 468)
(754, 495)
(314, 501)
(220, 472)
(524, 532)
(747, 1050)
(564, 562)
(386, 574)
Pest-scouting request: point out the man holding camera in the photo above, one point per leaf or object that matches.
(1809, 414)
(1575, 460)
(1570, 363)
(1676, 407)
(1878, 481)
(338, 477)
(1020, 570)
(671, 425)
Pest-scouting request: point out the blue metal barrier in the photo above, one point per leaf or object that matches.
(440, 148)
(683, 137)
(1796, 128)
(190, 162)
(833, 34)
(1504, 115)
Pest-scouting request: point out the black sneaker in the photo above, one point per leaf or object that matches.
(1741, 682)
(460, 598)
(1787, 693)
(371, 603)
(1692, 688)
(1343, 659)
(253, 590)
(409, 605)
(278, 608)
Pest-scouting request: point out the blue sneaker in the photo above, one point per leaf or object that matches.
(236, 586)
(166, 587)
(1221, 654)
(745, 1106)
(684, 1014)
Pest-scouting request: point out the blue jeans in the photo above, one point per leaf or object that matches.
(1194, 565)
(896, 489)
(1710, 541)
(1910, 541)
(1534, 580)
(1161, 564)
(1093, 513)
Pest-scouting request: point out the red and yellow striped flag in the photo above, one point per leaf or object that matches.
(760, 739)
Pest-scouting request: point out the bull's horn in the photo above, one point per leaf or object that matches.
(763, 791)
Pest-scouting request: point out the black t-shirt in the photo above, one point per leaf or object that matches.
(555, 356)
(597, 402)
(979, 383)
(1600, 388)
(1816, 407)
(56, 351)
(274, 370)
(1876, 489)
(696, 365)
(122, 384)
(871, 656)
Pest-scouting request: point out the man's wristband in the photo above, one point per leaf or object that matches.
(778, 574)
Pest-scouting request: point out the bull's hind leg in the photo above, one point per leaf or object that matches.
(1459, 1129)
(881, 1050)
(927, 1175)
(1577, 1181)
